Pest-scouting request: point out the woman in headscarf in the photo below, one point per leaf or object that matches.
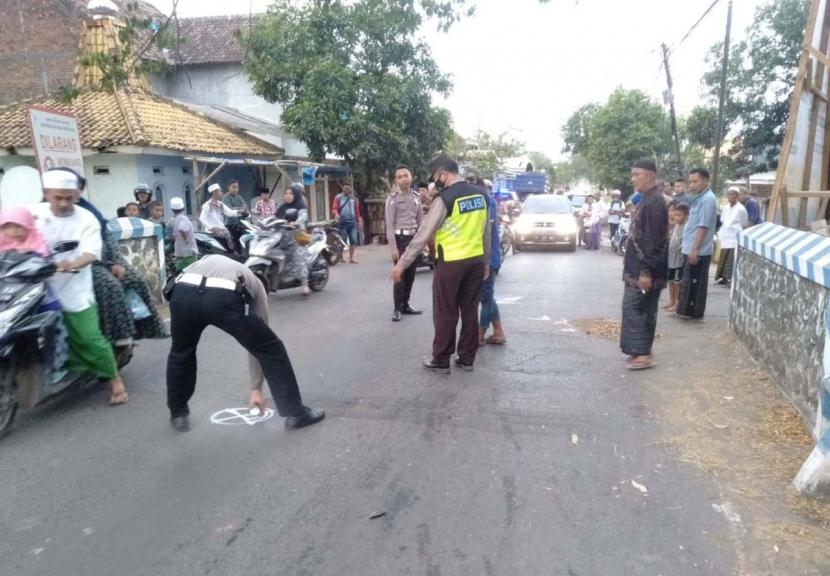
(18, 232)
(295, 211)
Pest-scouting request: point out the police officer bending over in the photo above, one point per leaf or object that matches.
(459, 219)
(218, 291)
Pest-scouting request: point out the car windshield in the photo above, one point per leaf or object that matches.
(547, 205)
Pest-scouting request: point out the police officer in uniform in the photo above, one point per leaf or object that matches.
(218, 291)
(403, 218)
(458, 218)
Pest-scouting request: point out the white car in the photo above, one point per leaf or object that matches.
(546, 220)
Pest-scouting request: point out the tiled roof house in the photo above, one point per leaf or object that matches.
(207, 74)
(130, 135)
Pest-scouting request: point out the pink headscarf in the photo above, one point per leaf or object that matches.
(34, 242)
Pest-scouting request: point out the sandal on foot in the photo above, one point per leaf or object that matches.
(640, 365)
(119, 399)
(496, 341)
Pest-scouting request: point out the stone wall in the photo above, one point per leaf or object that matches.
(780, 318)
(142, 244)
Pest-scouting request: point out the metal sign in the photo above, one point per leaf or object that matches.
(237, 416)
(56, 139)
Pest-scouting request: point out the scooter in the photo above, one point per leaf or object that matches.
(268, 256)
(620, 239)
(32, 343)
(333, 252)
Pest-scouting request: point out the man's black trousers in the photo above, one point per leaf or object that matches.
(192, 309)
(403, 289)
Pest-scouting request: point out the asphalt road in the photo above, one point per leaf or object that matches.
(535, 463)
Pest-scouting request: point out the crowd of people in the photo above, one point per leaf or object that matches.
(455, 218)
(672, 242)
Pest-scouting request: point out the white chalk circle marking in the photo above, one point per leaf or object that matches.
(236, 416)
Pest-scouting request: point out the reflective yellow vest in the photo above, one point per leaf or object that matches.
(461, 236)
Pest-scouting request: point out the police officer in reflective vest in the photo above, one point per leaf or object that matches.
(458, 219)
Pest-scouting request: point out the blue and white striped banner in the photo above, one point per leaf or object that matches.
(805, 253)
(130, 227)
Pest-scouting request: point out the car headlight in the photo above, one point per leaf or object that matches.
(524, 226)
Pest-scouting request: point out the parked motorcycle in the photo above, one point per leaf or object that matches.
(505, 235)
(268, 255)
(207, 244)
(620, 239)
(333, 252)
(30, 340)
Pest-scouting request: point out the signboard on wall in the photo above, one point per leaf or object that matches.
(56, 140)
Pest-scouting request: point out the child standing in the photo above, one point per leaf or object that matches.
(679, 214)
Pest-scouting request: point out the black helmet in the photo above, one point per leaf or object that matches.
(139, 188)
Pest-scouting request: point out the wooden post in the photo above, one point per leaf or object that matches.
(778, 189)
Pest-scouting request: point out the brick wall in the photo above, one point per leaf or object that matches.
(39, 43)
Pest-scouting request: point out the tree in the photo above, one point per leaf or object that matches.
(628, 127)
(542, 162)
(576, 130)
(485, 152)
(354, 81)
(760, 79)
(572, 171)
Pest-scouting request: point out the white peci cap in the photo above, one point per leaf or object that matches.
(176, 203)
(734, 189)
(59, 180)
(214, 187)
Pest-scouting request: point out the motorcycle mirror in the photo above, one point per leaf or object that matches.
(291, 214)
(65, 246)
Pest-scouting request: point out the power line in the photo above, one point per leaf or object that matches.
(696, 24)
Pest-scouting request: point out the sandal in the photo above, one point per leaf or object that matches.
(496, 341)
(119, 398)
(640, 365)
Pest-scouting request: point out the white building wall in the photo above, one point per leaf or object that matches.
(106, 191)
(223, 85)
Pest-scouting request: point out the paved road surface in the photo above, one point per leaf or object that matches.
(477, 473)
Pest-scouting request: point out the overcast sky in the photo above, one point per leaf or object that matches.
(522, 67)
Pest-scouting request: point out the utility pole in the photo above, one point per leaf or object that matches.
(722, 97)
(672, 115)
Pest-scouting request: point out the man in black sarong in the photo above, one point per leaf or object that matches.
(645, 268)
(698, 246)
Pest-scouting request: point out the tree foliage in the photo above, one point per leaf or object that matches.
(485, 152)
(760, 80)
(353, 80)
(612, 136)
(576, 130)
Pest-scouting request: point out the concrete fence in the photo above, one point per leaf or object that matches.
(780, 307)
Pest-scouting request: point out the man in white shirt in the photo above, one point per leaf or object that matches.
(184, 244)
(734, 218)
(73, 236)
(214, 214)
(615, 212)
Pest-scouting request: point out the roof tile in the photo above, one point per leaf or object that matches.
(134, 118)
